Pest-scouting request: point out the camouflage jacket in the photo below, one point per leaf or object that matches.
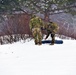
(35, 23)
(52, 27)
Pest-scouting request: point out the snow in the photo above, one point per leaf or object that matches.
(29, 59)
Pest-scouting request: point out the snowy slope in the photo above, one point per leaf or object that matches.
(29, 59)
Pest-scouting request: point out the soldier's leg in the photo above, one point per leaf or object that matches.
(39, 36)
(35, 36)
(36, 39)
(53, 39)
(36, 42)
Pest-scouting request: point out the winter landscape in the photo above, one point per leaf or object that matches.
(18, 53)
(28, 59)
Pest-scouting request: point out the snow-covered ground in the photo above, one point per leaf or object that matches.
(29, 59)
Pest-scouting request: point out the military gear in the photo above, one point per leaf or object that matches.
(36, 22)
(52, 36)
(35, 26)
(37, 35)
(51, 28)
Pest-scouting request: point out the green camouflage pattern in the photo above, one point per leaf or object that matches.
(36, 22)
(52, 27)
(35, 26)
(37, 35)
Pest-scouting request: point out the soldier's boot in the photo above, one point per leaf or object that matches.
(53, 41)
(52, 44)
(40, 43)
(36, 42)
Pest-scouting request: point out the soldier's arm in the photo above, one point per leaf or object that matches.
(45, 25)
(56, 28)
(41, 24)
(47, 35)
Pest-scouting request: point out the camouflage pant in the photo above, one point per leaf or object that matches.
(36, 32)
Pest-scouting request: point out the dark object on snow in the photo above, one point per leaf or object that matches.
(49, 41)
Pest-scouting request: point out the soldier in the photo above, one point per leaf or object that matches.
(52, 29)
(35, 27)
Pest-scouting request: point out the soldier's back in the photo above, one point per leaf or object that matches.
(36, 22)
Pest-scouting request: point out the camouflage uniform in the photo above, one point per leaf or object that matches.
(51, 28)
(35, 26)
